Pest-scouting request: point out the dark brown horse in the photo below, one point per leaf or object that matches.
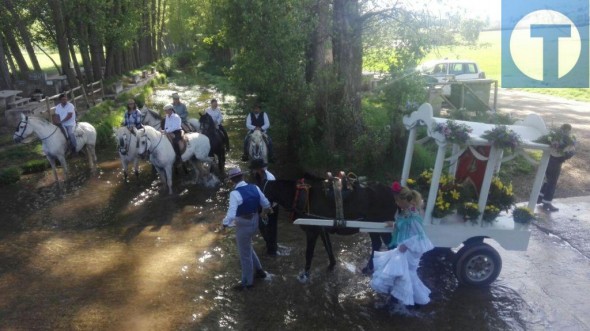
(373, 203)
(209, 128)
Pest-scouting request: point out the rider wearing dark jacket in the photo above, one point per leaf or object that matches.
(257, 120)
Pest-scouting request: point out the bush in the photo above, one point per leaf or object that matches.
(34, 166)
(9, 175)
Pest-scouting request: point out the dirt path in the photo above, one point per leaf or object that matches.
(575, 175)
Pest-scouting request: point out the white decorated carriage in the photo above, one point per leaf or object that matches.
(476, 263)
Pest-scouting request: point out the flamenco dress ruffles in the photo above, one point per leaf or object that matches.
(396, 272)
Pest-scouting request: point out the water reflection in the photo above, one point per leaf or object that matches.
(103, 254)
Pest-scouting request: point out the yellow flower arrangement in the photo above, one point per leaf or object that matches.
(490, 213)
(469, 210)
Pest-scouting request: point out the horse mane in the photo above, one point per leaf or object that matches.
(154, 113)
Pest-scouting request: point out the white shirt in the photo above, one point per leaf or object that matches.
(63, 111)
(252, 127)
(269, 176)
(215, 114)
(173, 123)
(235, 199)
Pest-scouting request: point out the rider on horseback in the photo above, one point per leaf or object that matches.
(181, 111)
(257, 120)
(215, 112)
(132, 116)
(67, 119)
(173, 125)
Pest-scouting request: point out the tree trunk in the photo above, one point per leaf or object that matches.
(62, 41)
(5, 79)
(96, 52)
(16, 53)
(348, 58)
(24, 34)
(9, 58)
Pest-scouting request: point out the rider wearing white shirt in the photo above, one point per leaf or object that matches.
(215, 112)
(257, 120)
(173, 125)
(67, 118)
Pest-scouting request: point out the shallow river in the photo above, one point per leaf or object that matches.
(101, 254)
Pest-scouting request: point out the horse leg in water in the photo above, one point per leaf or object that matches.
(91, 158)
(168, 171)
(53, 167)
(62, 160)
(328, 245)
(311, 235)
(136, 167)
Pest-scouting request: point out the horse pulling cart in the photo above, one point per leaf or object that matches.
(476, 262)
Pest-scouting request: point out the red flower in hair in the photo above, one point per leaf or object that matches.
(396, 187)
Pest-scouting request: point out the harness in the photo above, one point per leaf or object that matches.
(158, 144)
(26, 121)
(301, 187)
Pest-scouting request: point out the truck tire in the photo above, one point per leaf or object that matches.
(477, 264)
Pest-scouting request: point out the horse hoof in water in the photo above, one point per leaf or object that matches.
(303, 277)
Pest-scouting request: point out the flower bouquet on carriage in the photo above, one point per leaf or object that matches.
(562, 142)
(448, 195)
(502, 137)
(454, 133)
(523, 215)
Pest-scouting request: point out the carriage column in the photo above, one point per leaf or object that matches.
(438, 165)
(494, 159)
(408, 157)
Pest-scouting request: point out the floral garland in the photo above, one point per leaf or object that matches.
(560, 141)
(502, 137)
(455, 133)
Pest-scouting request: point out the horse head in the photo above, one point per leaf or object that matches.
(143, 142)
(123, 135)
(22, 130)
(206, 123)
(150, 117)
(257, 146)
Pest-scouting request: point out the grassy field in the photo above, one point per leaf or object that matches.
(488, 56)
(46, 64)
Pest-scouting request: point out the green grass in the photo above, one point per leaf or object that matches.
(46, 64)
(488, 57)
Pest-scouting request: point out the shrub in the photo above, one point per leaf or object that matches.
(9, 175)
(34, 166)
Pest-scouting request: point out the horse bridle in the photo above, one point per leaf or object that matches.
(158, 144)
(26, 121)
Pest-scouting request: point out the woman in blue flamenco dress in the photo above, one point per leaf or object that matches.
(396, 270)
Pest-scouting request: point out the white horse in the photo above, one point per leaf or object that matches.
(128, 146)
(153, 119)
(257, 147)
(54, 143)
(162, 155)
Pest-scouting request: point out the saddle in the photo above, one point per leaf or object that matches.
(186, 127)
(182, 143)
(57, 122)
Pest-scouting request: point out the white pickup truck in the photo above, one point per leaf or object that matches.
(446, 71)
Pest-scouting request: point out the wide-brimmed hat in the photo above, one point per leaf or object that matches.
(257, 164)
(233, 172)
(175, 96)
(168, 107)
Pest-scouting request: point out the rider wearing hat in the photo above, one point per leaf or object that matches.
(242, 213)
(172, 125)
(268, 228)
(179, 108)
(257, 120)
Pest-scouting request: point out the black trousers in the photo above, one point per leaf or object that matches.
(551, 177)
(269, 231)
(175, 140)
(377, 240)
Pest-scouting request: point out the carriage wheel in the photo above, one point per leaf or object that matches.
(477, 264)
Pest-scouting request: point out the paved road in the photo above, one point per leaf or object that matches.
(575, 178)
